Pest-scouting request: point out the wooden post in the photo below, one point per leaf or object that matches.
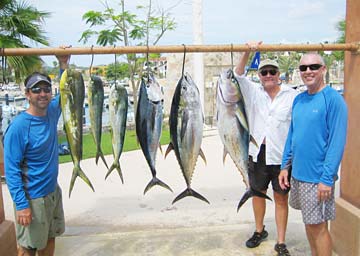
(345, 230)
(7, 228)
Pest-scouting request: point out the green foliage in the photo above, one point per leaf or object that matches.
(120, 71)
(288, 64)
(89, 149)
(20, 22)
(341, 27)
(111, 27)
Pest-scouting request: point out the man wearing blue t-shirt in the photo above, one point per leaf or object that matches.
(314, 148)
(31, 167)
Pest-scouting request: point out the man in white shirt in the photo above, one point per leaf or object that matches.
(268, 107)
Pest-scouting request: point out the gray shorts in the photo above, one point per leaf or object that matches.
(303, 196)
(48, 221)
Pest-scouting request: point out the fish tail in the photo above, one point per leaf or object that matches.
(77, 171)
(99, 153)
(190, 192)
(155, 181)
(115, 165)
(250, 193)
(169, 148)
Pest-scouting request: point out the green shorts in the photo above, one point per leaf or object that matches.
(48, 221)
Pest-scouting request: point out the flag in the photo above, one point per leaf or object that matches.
(256, 61)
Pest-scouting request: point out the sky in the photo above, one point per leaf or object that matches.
(224, 22)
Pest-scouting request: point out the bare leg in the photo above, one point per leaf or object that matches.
(319, 239)
(281, 215)
(25, 252)
(259, 208)
(49, 250)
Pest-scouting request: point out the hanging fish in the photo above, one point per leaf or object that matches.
(186, 131)
(96, 105)
(118, 107)
(233, 128)
(149, 117)
(72, 93)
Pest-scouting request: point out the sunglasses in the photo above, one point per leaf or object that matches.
(267, 71)
(38, 90)
(312, 67)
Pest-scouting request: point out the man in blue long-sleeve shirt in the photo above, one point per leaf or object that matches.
(314, 148)
(31, 167)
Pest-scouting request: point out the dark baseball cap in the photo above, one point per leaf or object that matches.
(37, 78)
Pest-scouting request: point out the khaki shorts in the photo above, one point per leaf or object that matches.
(48, 221)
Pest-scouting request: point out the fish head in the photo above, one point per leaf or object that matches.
(96, 80)
(154, 90)
(228, 88)
(189, 91)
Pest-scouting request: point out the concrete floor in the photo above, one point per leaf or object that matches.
(119, 220)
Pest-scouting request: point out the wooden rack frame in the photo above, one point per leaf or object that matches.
(353, 47)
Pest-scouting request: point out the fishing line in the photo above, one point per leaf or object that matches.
(147, 61)
(183, 66)
(147, 42)
(115, 67)
(92, 61)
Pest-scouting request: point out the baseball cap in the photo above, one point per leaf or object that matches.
(37, 78)
(268, 62)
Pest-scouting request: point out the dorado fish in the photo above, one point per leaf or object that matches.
(186, 131)
(149, 117)
(72, 93)
(118, 107)
(96, 105)
(233, 128)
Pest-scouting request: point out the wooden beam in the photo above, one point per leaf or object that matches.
(354, 47)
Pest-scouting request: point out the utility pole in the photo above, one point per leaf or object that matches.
(198, 58)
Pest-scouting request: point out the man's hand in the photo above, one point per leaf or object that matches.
(283, 179)
(63, 59)
(24, 217)
(324, 192)
(253, 45)
(240, 67)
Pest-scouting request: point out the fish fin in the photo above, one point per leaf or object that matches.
(252, 139)
(115, 165)
(161, 149)
(190, 192)
(201, 153)
(250, 193)
(224, 155)
(169, 148)
(77, 171)
(155, 181)
(241, 117)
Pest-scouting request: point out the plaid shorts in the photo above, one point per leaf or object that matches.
(303, 196)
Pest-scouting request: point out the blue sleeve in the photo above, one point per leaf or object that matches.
(337, 126)
(287, 154)
(14, 150)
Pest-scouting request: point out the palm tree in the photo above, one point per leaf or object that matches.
(288, 64)
(20, 25)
